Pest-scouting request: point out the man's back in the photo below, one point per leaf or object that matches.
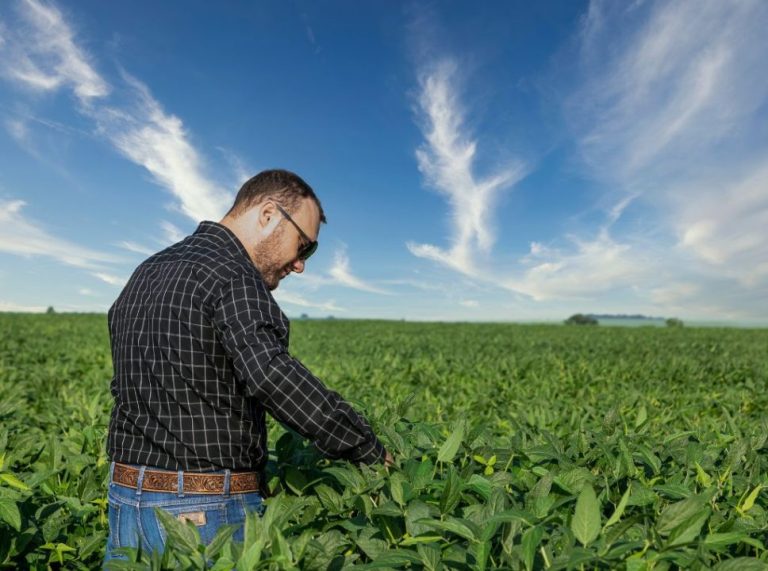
(200, 351)
(177, 404)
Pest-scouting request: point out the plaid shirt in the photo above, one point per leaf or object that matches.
(200, 352)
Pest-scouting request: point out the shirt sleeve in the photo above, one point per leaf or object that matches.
(250, 325)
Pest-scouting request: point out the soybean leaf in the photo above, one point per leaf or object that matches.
(529, 543)
(676, 514)
(585, 524)
(454, 525)
(181, 534)
(451, 445)
(689, 529)
(223, 535)
(619, 511)
(12, 480)
(9, 513)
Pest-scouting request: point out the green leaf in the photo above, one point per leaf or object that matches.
(348, 477)
(415, 511)
(689, 529)
(749, 501)
(12, 480)
(718, 540)
(9, 513)
(396, 488)
(388, 508)
(480, 485)
(585, 524)
(181, 534)
(453, 525)
(372, 547)
(397, 558)
(677, 514)
(223, 535)
(741, 564)
(529, 543)
(421, 476)
(451, 491)
(421, 539)
(251, 556)
(619, 511)
(329, 498)
(430, 557)
(451, 445)
(481, 551)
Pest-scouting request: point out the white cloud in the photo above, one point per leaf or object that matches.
(446, 160)
(171, 232)
(21, 308)
(22, 236)
(727, 226)
(292, 298)
(469, 303)
(110, 279)
(586, 270)
(41, 54)
(670, 111)
(86, 291)
(342, 275)
(145, 134)
(134, 247)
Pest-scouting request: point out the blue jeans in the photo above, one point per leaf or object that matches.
(132, 517)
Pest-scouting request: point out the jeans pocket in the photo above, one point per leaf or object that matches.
(208, 517)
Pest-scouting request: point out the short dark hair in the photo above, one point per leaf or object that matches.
(285, 187)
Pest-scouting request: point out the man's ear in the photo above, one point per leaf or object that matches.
(268, 218)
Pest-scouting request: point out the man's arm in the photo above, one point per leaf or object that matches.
(248, 321)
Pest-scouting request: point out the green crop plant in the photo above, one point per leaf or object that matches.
(516, 447)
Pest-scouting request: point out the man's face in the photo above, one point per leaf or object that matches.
(276, 255)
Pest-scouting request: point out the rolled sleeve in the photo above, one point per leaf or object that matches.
(254, 334)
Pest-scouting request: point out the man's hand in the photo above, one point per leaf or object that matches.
(388, 460)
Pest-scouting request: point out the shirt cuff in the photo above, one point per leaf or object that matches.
(370, 452)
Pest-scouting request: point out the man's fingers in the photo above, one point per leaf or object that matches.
(388, 460)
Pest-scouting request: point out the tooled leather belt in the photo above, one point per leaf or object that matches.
(194, 482)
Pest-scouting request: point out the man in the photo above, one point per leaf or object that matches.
(200, 352)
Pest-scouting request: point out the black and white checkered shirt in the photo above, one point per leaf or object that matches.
(200, 352)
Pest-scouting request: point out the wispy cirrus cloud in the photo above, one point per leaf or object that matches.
(110, 278)
(341, 274)
(43, 55)
(669, 107)
(136, 248)
(143, 132)
(666, 113)
(447, 161)
(23, 236)
(292, 298)
(171, 232)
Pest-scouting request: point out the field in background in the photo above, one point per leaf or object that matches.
(521, 446)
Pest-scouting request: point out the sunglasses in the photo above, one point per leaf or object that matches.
(308, 246)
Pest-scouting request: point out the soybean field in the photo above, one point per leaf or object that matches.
(516, 447)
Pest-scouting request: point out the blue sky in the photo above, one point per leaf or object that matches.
(491, 161)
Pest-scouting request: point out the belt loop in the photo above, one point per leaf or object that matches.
(180, 487)
(140, 483)
(111, 472)
(227, 476)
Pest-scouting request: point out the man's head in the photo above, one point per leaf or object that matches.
(276, 215)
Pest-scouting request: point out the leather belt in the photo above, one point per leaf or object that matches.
(194, 482)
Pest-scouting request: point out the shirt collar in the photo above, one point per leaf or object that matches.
(225, 235)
